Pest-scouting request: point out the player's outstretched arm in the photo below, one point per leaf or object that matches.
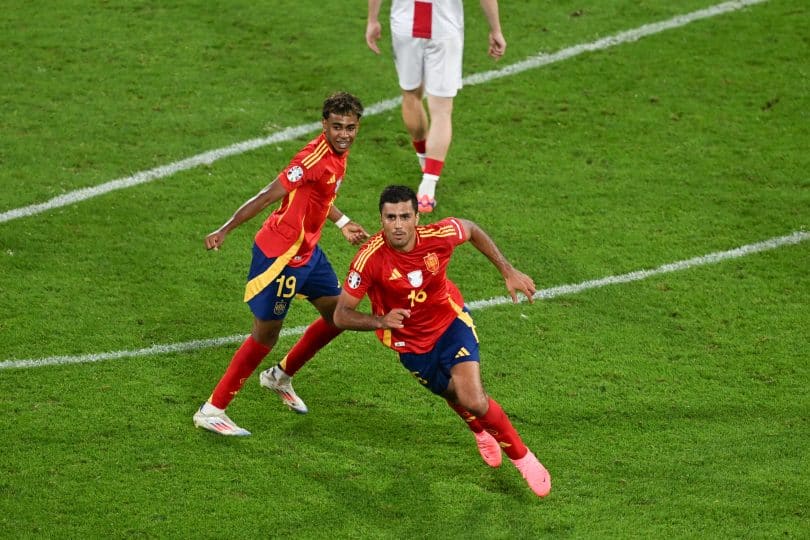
(273, 192)
(516, 281)
(346, 316)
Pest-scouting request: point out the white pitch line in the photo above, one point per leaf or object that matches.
(628, 36)
(288, 134)
(154, 350)
(711, 258)
(638, 275)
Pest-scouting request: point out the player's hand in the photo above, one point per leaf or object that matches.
(214, 240)
(354, 233)
(373, 33)
(518, 281)
(497, 45)
(396, 318)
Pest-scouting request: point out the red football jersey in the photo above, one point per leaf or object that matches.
(312, 180)
(416, 280)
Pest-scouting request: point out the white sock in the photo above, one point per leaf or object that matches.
(428, 185)
(421, 158)
(280, 373)
(207, 408)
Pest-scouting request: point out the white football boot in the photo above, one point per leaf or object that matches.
(219, 423)
(279, 382)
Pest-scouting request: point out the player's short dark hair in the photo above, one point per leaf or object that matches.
(397, 194)
(342, 104)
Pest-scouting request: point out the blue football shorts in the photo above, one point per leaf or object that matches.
(312, 280)
(457, 344)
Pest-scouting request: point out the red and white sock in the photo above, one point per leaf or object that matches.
(430, 177)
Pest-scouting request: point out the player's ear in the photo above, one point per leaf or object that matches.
(323, 123)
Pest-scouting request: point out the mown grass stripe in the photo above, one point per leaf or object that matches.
(711, 258)
(209, 157)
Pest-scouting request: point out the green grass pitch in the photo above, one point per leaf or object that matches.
(674, 406)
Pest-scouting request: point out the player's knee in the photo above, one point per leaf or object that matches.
(266, 334)
(414, 95)
(477, 404)
(440, 106)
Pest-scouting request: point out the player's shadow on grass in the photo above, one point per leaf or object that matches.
(376, 451)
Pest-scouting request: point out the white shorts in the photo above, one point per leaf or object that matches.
(434, 62)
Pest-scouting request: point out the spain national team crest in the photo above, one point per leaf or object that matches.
(280, 308)
(415, 278)
(432, 262)
(295, 174)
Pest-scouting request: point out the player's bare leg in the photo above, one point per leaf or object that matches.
(415, 118)
(439, 136)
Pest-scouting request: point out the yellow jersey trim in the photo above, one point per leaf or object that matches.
(258, 283)
(362, 259)
(465, 317)
(316, 155)
(447, 230)
(386, 338)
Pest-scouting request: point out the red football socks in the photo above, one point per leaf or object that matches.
(467, 416)
(433, 166)
(316, 337)
(498, 424)
(419, 146)
(246, 359)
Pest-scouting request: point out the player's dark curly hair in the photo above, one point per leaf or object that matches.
(396, 194)
(342, 104)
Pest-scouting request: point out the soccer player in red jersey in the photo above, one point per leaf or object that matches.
(418, 312)
(287, 261)
(427, 38)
